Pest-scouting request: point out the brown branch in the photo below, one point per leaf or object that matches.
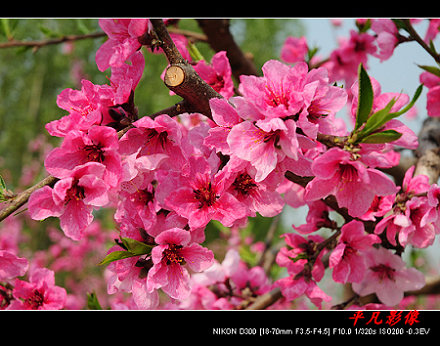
(41, 43)
(220, 38)
(427, 153)
(409, 28)
(23, 197)
(432, 286)
(180, 76)
(193, 36)
(266, 300)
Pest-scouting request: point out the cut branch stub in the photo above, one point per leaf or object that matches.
(183, 80)
(174, 76)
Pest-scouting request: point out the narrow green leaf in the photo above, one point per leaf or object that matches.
(136, 247)
(92, 302)
(382, 116)
(431, 45)
(431, 69)
(194, 52)
(48, 32)
(365, 99)
(82, 27)
(376, 120)
(2, 183)
(382, 137)
(408, 106)
(116, 256)
(6, 28)
(300, 256)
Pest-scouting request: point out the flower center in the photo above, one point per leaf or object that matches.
(172, 255)
(36, 300)
(75, 191)
(217, 83)
(157, 138)
(349, 251)
(275, 98)
(142, 197)
(244, 183)
(205, 195)
(94, 153)
(383, 271)
(348, 173)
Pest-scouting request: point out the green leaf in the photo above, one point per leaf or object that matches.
(381, 117)
(431, 69)
(2, 183)
(48, 32)
(409, 105)
(92, 302)
(82, 27)
(116, 256)
(382, 137)
(136, 247)
(194, 52)
(6, 28)
(365, 99)
(376, 120)
(300, 256)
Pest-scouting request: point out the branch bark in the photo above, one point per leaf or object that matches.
(23, 197)
(180, 76)
(42, 43)
(427, 153)
(266, 300)
(220, 38)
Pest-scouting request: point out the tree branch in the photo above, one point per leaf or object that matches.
(427, 153)
(23, 197)
(180, 76)
(220, 38)
(418, 39)
(266, 300)
(42, 43)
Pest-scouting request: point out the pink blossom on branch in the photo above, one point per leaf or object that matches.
(100, 144)
(351, 181)
(432, 82)
(169, 256)
(12, 266)
(72, 199)
(203, 197)
(279, 91)
(123, 41)
(347, 258)
(387, 37)
(40, 293)
(294, 49)
(302, 277)
(217, 74)
(387, 276)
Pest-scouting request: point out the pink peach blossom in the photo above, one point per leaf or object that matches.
(72, 199)
(169, 256)
(352, 183)
(387, 276)
(40, 293)
(123, 41)
(347, 258)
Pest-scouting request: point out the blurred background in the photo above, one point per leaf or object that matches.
(30, 81)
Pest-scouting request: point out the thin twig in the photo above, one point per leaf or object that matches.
(419, 40)
(41, 43)
(266, 300)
